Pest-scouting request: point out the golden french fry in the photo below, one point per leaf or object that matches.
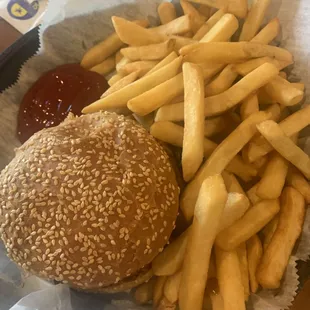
(296, 179)
(272, 182)
(244, 269)
(251, 193)
(283, 92)
(172, 286)
(204, 29)
(142, 67)
(278, 252)
(283, 75)
(250, 65)
(172, 56)
(204, 10)
(236, 206)
(120, 98)
(260, 163)
(230, 279)
(123, 62)
(222, 82)
(254, 19)
(105, 67)
(118, 57)
(208, 211)
(192, 153)
(166, 12)
(133, 34)
(223, 30)
(144, 293)
(231, 183)
(149, 52)
(220, 158)
(196, 18)
(179, 26)
(232, 52)
(268, 33)
(291, 125)
(255, 253)
(269, 230)
(214, 126)
(158, 290)
(128, 79)
(115, 78)
(249, 106)
(250, 224)
(181, 41)
(285, 146)
(170, 260)
(300, 86)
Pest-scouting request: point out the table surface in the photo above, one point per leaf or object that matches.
(8, 35)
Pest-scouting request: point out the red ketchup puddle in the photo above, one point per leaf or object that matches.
(67, 88)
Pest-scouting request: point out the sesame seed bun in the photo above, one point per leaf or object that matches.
(89, 202)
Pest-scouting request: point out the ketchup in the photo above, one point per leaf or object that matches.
(67, 88)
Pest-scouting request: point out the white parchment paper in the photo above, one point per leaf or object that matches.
(69, 28)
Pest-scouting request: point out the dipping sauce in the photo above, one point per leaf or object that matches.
(67, 88)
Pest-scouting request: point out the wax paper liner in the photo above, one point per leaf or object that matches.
(64, 37)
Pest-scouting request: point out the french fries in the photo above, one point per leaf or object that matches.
(244, 269)
(172, 56)
(231, 183)
(172, 286)
(204, 29)
(214, 125)
(296, 179)
(223, 30)
(170, 260)
(269, 231)
(230, 279)
(142, 67)
(204, 10)
(118, 57)
(254, 19)
(195, 17)
(277, 254)
(158, 290)
(192, 154)
(144, 292)
(220, 158)
(105, 67)
(166, 12)
(115, 78)
(249, 106)
(208, 212)
(222, 82)
(120, 98)
(250, 224)
(123, 62)
(273, 179)
(268, 33)
(149, 52)
(232, 52)
(177, 26)
(285, 146)
(255, 253)
(251, 193)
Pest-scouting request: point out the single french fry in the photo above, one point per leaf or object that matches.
(144, 292)
(223, 30)
(269, 230)
(172, 56)
(268, 33)
(177, 26)
(283, 92)
(158, 290)
(272, 182)
(222, 82)
(246, 67)
(296, 179)
(293, 124)
(278, 252)
(180, 41)
(251, 193)
(273, 133)
(214, 126)
(204, 29)
(166, 12)
(231, 183)
(128, 79)
(105, 67)
(204, 10)
(249, 106)
(196, 18)
(208, 212)
(255, 253)
(232, 52)
(244, 269)
(133, 34)
(170, 260)
(149, 52)
(230, 279)
(172, 286)
(115, 78)
(250, 224)
(220, 158)
(192, 153)
(120, 98)
(142, 67)
(123, 62)
(254, 19)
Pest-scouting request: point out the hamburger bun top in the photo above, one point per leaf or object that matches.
(89, 202)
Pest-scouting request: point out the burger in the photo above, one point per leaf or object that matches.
(90, 203)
